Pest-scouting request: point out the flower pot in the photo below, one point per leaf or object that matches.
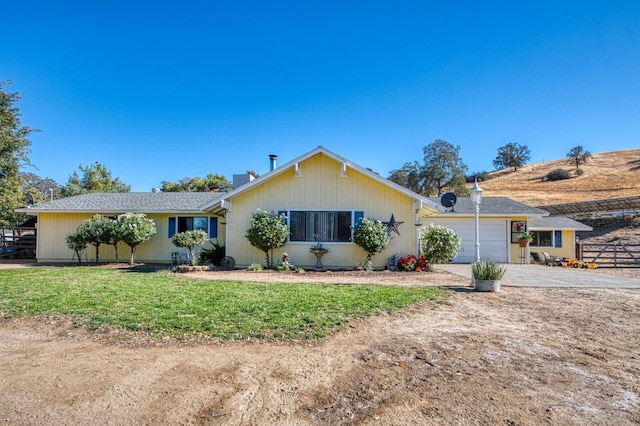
(487, 285)
(523, 243)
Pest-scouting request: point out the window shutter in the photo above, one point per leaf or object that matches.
(172, 226)
(213, 227)
(284, 212)
(558, 238)
(356, 218)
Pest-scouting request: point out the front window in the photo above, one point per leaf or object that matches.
(186, 223)
(323, 226)
(542, 238)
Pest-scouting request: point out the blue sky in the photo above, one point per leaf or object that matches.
(160, 90)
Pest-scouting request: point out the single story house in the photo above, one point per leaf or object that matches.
(322, 194)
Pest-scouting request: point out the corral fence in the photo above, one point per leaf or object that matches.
(17, 242)
(614, 254)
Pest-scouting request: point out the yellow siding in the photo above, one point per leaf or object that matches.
(567, 250)
(516, 253)
(568, 246)
(54, 227)
(321, 187)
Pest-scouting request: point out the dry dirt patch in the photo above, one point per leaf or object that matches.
(521, 356)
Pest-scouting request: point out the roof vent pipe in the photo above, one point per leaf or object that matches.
(272, 161)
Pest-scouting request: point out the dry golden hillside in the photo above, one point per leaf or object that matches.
(606, 175)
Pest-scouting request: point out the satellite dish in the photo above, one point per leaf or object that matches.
(448, 200)
(30, 200)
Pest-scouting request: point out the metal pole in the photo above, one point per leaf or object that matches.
(477, 220)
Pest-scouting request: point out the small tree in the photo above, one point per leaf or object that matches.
(95, 231)
(438, 243)
(113, 236)
(134, 229)
(75, 241)
(190, 239)
(578, 155)
(267, 232)
(372, 236)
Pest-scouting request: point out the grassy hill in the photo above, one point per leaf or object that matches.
(606, 175)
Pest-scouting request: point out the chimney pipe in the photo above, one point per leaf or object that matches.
(272, 161)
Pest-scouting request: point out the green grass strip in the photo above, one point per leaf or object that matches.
(163, 304)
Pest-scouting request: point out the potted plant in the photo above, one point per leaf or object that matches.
(524, 239)
(487, 275)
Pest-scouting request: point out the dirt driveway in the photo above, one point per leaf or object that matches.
(519, 357)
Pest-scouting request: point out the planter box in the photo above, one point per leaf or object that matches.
(189, 268)
(487, 285)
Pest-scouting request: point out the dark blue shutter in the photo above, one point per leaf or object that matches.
(284, 212)
(558, 238)
(213, 227)
(172, 226)
(356, 218)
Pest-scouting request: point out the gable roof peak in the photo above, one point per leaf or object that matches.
(293, 164)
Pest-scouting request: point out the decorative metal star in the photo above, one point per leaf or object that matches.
(392, 225)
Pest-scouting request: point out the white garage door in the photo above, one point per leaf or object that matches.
(494, 240)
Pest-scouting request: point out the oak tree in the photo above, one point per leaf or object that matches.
(512, 155)
(95, 178)
(578, 155)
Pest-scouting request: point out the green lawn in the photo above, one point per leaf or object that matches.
(162, 304)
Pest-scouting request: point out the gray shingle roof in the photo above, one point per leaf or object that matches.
(123, 202)
(558, 222)
(494, 206)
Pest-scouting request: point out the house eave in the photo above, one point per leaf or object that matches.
(489, 215)
(34, 212)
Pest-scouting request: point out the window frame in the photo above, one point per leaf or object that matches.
(555, 240)
(354, 214)
(211, 222)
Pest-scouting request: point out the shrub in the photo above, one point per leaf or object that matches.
(438, 243)
(267, 231)
(372, 236)
(77, 243)
(96, 231)
(190, 239)
(579, 171)
(213, 254)
(558, 174)
(255, 267)
(479, 176)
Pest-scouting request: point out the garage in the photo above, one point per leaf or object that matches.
(493, 238)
